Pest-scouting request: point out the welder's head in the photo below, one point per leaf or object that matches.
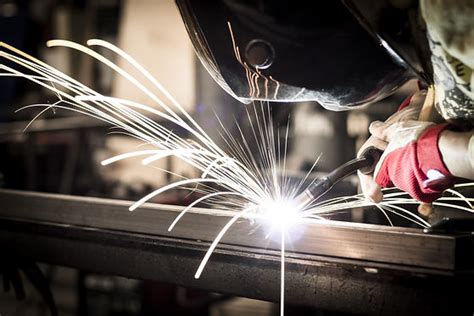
(298, 50)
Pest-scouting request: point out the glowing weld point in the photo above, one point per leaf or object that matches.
(282, 214)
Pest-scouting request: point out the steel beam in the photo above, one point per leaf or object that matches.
(102, 236)
(389, 245)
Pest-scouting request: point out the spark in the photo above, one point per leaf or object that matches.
(242, 181)
(282, 273)
(258, 187)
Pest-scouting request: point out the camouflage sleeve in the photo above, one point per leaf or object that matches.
(450, 26)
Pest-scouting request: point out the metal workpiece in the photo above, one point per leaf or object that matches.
(383, 244)
(325, 283)
(347, 267)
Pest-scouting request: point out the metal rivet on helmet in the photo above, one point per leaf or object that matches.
(259, 53)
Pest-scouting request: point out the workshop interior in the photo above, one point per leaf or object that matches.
(69, 244)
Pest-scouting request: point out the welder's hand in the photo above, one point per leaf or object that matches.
(412, 160)
(409, 110)
(369, 187)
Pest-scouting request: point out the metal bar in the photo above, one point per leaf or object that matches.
(325, 283)
(100, 235)
(371, 243)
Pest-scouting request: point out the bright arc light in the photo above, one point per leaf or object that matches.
(281, 214)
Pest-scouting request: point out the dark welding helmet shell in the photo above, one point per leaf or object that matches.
(292, 51)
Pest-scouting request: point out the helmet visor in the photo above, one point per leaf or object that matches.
(289, 51)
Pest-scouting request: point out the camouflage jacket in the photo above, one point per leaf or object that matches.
(450, 26)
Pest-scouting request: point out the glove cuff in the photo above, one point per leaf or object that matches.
(428, 153)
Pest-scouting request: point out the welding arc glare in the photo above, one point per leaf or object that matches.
(279, 214)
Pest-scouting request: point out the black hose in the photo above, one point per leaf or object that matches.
(365, 163)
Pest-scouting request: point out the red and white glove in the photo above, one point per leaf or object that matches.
(411, 160)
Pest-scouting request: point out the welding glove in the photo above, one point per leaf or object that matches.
(411, 160)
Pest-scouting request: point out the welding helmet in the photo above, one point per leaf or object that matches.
(296, 50)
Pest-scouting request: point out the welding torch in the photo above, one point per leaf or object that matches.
(365, 163)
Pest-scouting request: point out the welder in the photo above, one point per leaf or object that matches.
(347, 54)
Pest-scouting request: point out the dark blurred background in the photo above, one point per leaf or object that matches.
(62, 151)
